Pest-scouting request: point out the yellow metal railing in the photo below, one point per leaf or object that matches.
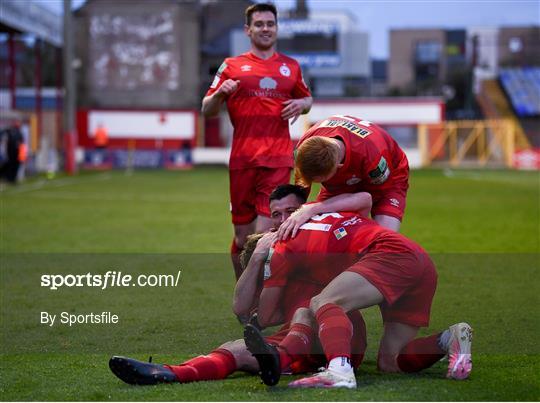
(464, 142)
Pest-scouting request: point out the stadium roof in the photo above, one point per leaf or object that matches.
(31, 17)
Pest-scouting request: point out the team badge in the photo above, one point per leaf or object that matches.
(284, 70)
(340, 233)
(353, 181)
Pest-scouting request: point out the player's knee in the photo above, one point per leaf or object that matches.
(304, 316)
(387, 363)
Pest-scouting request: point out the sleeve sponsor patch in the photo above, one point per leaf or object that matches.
(221, 68)
(380, 174)
(267, 271)
(215, 82)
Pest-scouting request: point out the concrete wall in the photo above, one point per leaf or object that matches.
(401, 65)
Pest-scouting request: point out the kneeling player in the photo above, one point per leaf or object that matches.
(362, 264)
(234, 356)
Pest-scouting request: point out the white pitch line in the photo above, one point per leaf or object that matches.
(47, 184)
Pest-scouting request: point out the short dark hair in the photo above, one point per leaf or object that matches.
(259, 7)
(282, 191)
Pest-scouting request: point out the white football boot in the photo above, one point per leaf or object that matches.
(459, 351)
(327, 379)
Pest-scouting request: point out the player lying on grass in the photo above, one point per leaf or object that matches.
(234, 356)
(360, 264)
(349, 155)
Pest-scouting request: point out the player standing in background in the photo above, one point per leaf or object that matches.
(349, 155)
(263, 89)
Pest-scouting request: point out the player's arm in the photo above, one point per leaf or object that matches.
(359, 202)
(269, 312)
(293, 108)
(246, 290)
(211, 104)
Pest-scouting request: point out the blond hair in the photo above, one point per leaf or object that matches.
(249, 248)
(316, 157)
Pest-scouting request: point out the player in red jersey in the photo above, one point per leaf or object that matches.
(349, 155)
(233, 355)
(362, 264)
(263, 90)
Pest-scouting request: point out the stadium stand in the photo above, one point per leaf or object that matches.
(496, 105)
(522, 85)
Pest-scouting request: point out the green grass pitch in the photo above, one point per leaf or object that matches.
(481, 227)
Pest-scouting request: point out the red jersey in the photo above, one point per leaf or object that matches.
(373, 162)
(261, 137)
(329, 244)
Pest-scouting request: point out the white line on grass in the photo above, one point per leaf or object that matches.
(56, 183)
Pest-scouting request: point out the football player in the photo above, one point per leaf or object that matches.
(233, 356)
(263, 90)
(360, 264)
(349, 155)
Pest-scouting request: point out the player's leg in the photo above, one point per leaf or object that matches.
(388, 222)
(242, 184)
(295, 345)
(267, 180)
(395, 337)
(218, 364)
(400, 352)
(348, 291)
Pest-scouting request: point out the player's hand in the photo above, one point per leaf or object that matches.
(292, 224)
(228, 87)
(265, 243)
(293, 108)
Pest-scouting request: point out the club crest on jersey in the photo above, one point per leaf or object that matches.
(380, 174)
(340, 233)
(353, 181)
(284, 70)
(245, 67)
(268, 83)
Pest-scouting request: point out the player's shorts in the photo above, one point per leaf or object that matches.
(250, 189)
(407, 280)
(391, 202)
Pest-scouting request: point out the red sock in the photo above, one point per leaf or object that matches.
(420, 354)
(335, 331)
(218, 364)
(235, 258)
(297, 343)
(359, 338)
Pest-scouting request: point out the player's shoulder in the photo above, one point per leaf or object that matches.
(283, 58)
(235, 60)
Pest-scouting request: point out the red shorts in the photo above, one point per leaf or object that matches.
(250, 189)
(390, 201)
(407, 280)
